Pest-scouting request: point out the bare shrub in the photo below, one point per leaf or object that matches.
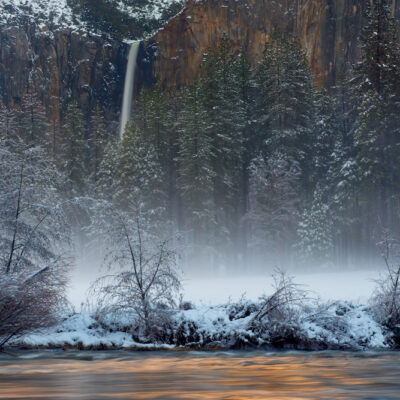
(142, 281)
(283, 303)
(279, 314)
(386, 299)
(29, 302)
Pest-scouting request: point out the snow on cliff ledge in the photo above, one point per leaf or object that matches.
(62, 15)
(41, 11)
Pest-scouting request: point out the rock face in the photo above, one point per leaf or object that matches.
(65, 64)
(328, 31)
(61, 65)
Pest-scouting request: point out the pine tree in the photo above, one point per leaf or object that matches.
(196, 174)
(151, 117)
(331, 215)
(378, 68)
(316, 230)
(274, 206)
(223, 91)
(55, 129)
(73, 149)
(326, 132)
(8, 122)
(157, 119)
(345, 103)
(343, 174)
(285, 106)
(139, 175)
(378, 130)
(97, 141)
(105, 184)
(33, 123)
(250, 146)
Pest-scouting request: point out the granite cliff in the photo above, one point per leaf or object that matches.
(61, 64)
(328, 31)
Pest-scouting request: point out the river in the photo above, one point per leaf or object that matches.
(198, 375)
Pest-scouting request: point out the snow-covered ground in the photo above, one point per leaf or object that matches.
(82, 330)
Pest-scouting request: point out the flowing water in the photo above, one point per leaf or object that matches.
(128, 87)
(192, 375)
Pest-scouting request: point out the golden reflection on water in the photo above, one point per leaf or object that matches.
(204, 376)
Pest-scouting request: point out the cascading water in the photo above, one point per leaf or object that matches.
(128, 87)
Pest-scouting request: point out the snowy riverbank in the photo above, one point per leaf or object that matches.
(340, 325)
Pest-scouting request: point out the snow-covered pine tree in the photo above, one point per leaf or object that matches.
(326, 131)
(285, 105)
(73, 150)
(32, 119)
(139, 175)
(97, 141)
(8, 122)
(105, 185)
(151, 117)
(157, 119)
(316, 230)
(225, 104)
(346, 103)
(378, 67)
(196, 174)
(274, 207)
(343, 174)
(250, 147)
(378, 129)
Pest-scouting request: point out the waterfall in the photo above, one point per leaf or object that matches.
(128, 87)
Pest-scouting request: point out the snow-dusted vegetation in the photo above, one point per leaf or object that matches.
(57, 12)
(121, 18)
(33, 235)
(312, 326)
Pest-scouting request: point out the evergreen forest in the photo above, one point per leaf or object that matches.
(251, 165)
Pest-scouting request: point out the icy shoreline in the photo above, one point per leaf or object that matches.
(334, 326)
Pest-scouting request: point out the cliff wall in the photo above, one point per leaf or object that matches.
(328, 31)
(67, 63)
(62, 65)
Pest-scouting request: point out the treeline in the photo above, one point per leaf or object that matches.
(257, 165)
